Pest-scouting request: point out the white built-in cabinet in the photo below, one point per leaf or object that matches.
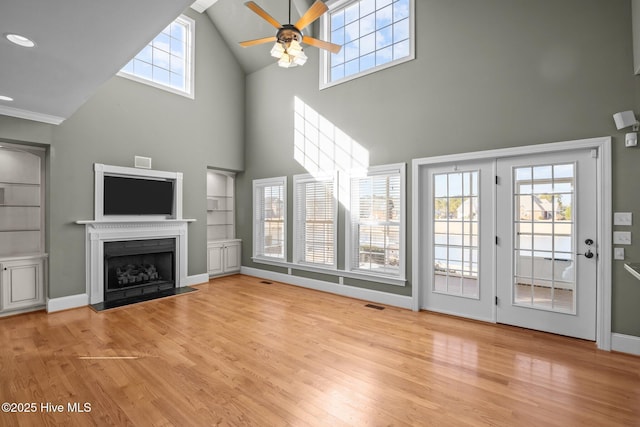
(223, 257)
(22, 283)
(22, 257)
(223, 249)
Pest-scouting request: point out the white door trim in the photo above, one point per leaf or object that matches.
(604, 235)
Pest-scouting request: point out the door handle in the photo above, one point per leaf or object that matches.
(588, 254)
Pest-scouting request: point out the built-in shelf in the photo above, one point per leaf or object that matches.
(223, 249)
(220, 206)
(23, 262)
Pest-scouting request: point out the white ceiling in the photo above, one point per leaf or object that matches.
(80, 44)
(83, 43)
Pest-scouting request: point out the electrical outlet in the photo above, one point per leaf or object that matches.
(618, 253)
(621, 237)
(623, 218)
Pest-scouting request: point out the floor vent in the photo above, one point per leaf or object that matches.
(266, 282)
(377, 307)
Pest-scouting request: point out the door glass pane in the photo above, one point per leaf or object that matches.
(455, 233)
(544, 244)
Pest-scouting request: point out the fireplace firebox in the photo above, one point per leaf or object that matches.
(135, 268)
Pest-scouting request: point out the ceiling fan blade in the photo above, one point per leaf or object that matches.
(314, 12)
(333, 48)
(263, 14)
(258, 41)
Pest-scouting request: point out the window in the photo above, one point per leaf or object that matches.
(167, 61)
(314, 227)
(456, 233)
(270, 218)
(374, 34)
(375, 221)
(544, 230)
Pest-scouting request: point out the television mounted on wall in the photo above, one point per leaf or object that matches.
(138, 196)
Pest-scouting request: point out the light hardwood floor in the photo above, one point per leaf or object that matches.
(240, 352)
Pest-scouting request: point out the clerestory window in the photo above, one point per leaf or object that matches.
(167, 61)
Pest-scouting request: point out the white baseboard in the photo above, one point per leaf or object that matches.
(334, 288)
(81, 300)
(66, 303)
(196, 279)
(625, 343)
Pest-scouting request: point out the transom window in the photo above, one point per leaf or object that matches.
(374, 34)
(167, 61)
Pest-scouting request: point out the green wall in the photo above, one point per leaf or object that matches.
(125, 118)
(487, 74)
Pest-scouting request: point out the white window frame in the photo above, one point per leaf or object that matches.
(325, 34)
(298, 226)
(258, 220)
(351, 232)
(189, 65)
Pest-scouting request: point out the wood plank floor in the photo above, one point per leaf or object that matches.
(241, 352)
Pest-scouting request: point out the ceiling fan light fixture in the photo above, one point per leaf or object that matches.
(277, 50)
(286, 61)
(289, 37)
(295, 50)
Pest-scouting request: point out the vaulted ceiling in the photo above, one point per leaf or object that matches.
(80, 44)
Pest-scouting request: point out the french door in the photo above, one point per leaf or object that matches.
(460, 244)
(512, 240)
(546, 251)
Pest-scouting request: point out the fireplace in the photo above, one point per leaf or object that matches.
(135, 268)
(150, 250)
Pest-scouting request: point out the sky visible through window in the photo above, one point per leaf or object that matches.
(372, 32)
(164, 59)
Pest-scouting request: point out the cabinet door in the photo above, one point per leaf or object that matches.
(22, 284)
(214, 259)
(232, 257)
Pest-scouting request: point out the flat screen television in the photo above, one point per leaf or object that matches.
(137, 196)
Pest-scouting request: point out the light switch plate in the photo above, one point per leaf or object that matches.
(618, 253)
(623, 218)
(621, 237)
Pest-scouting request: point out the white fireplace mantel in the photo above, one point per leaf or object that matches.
(99, 232)
(111, 228)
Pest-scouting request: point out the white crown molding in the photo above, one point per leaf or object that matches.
(31, 115)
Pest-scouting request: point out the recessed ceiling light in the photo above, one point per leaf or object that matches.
(5, 98)
(20, 40)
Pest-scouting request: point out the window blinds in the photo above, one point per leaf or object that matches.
(269, 228)
(375, 223)
(315, 221)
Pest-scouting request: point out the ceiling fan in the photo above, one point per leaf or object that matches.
(289, 36)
